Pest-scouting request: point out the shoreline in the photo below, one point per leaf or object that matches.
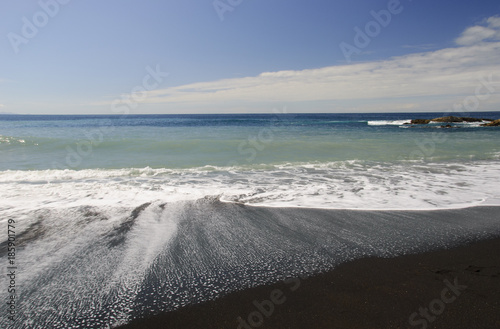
(159, 256)
(461, 285)
(487, 203)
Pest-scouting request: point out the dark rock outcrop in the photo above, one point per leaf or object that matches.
(447, 119)
(494, 123)
(420, 121)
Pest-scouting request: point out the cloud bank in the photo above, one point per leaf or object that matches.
(418, 81)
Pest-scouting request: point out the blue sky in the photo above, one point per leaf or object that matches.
(99, 57)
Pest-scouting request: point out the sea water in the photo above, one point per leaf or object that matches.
(362, 161)
(119, 217)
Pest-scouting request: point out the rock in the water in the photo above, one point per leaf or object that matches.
(420, 121)
(452, 118)
(448, 119)
(494, 123)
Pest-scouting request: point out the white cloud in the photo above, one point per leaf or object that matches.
(424, 79)
(475, 34)
(441, 72)
(479, 33)
(494, 21)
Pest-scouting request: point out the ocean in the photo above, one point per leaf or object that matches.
(357, 161)
(120, 217)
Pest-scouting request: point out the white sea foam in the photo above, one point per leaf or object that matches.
(11, 140)
(337, 185)
(388, 122)
(474, 124)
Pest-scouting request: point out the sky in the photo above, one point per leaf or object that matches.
(248, 56)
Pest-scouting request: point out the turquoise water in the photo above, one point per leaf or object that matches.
(191, 141)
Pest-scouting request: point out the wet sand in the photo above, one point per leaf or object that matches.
(454, 288)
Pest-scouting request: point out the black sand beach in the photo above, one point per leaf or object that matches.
(457, 287)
